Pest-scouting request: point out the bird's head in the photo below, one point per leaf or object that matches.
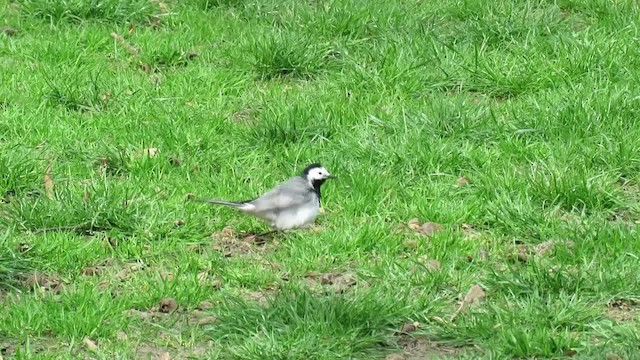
(316, 174)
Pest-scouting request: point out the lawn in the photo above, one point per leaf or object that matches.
(487, 204)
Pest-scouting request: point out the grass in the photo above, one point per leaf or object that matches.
(510, 124)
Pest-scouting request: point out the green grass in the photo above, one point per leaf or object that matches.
(533, 101)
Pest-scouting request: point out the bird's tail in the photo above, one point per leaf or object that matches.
(238, 205)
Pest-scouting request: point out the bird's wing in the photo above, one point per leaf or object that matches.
(292, 193)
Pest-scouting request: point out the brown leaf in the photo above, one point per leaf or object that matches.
(178, 222)
(151, 152)
(411, 243)
(462, 181)
(414, 224)
(613, 356)
(429, 228)
(164, 356)
(204, 305)
(473, 297)
(90, 344)
(409, 328)
(207, 320)
(168, 305)
(8, 30)
(192, 55)
(175, 161)
(569, 352)
(475, 294)
(44, 282)
(395, 357)
(48, 182)
(85, 197)
(91, 271)
(433, 265)
(544, 247)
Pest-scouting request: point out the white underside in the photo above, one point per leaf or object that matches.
(301, 216)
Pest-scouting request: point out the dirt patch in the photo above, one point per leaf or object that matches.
(623, 310)
(230, 243)
(334, 282)
(44, 282)
(414, 226)
(524, 252)
(422, 349)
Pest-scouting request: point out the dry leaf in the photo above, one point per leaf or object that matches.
(164, 356)
(409, 328)
(462, 181)
(414, 224)
(204, 305)
(48, 182)
(168, 305)
(434, 265)
(90, 344)
(207, 320)
(91, 271)
(429, 228)
(121, 335)
(85, 197)
(151, 152)
(8, 30)
(475, 294)
(613, 356)
(473, 297)
(544, 247)
(395, 357)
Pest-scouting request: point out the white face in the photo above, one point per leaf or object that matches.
(318, 173)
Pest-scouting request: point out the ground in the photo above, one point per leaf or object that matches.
(486, 205)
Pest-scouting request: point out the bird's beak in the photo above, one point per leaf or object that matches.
(332, 177)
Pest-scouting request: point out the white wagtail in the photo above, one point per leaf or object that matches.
(294, 203)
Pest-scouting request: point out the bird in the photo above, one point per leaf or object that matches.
(294, 203)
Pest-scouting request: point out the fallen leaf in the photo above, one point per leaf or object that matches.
(613, 356)
(168, 305)
(473, 297)
(192, 55)
(44, 282)
(151, 152)
(433, 265)
(395, 357)
(48, 182)
(569, 352)
(462, 181)
(409, 328)
(23, 247)
(179, 222)
(414, 224)
(121, 335)
(475, 294)
(8, 30)
(544, 247)
(175, 161)
(204, 305)
(91, 271)
(411, 243)
(85, 197)
(429, 228)
(164, 356)
(207, 320)
(90, 344)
